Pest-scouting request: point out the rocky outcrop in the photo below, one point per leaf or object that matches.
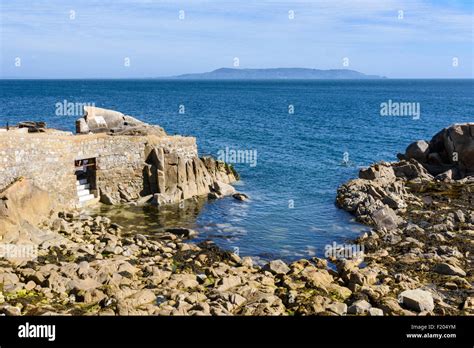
(99, 120)
(423, 224)
(171, 178)
(380, 191)
(22, 204)
(384, 187)
(449, 154)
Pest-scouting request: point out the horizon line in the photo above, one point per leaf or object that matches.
(237, 79)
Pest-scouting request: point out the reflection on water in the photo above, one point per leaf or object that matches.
(149, 219)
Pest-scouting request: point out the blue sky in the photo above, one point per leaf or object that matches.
(102, 34)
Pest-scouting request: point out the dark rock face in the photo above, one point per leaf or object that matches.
(418, 150)
(450, 152)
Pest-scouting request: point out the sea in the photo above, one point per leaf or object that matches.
(293, 143)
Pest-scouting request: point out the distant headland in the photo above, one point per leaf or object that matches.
(277, 73)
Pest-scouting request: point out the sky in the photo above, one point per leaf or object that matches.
(154, 38)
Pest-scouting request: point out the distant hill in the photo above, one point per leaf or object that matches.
(277, 73)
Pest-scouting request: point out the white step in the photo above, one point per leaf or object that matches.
(81, 182)
(83, 187)
(83, 193)
(86, 198)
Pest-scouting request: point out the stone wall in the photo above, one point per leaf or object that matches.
(127, 166)
(48, 160)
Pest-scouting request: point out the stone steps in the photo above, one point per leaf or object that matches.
(86, 198)
(81, 182)
(83, 192)
(83, 187)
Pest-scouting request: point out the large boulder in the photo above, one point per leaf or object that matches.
(22, 204)
(380, 171)
(418, 150)
(451, 149)
(459, 146)
(385, 217)
(99, 120)
(418, 300)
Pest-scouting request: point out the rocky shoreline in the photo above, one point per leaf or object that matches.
(417, 259)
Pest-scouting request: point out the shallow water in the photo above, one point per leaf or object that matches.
(300, 156)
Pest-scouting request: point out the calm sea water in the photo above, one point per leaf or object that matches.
(300, 156)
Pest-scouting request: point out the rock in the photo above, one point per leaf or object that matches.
(317, 278)
(183, 280)
(468, 304)
(446, 268)
(228, 283)
(10, 310)
(373, 312)
(140, 238)
(394, 202)
(107, 198)
(450, 152)
(410, 170)
(338, 308)
(213, 195)
(458, 139)
(341, 292)
(162, 199)
(142, 297)
(144, 199)
(446, 176)
(418, 300)
(182, 232)
(23, 204)
(237, 299)
(30, 285)
(359, 307)
(240, 196)
(385, 218)
(247, 261)
(378, 171)
(99, 120)
(459, 216)
(56, 282)
(418, 150)
(390, 306)
(277, 267)
(83, 284)
(223, 189)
